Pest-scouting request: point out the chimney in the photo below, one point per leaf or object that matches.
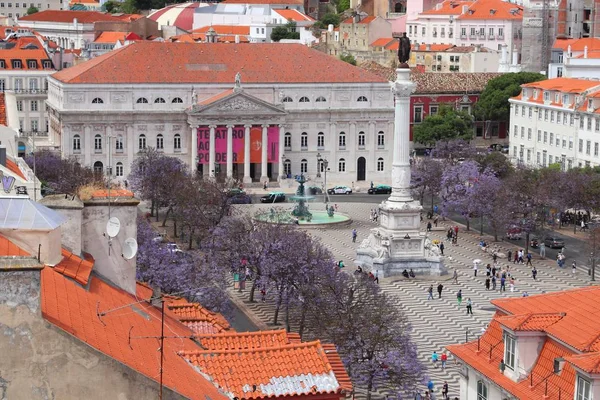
(3, 156)
(416, 46)
(237, 38)
(465, 9)
(356, 18)
(71, 208)
(585, 52)
(427, 47)
(330, 28)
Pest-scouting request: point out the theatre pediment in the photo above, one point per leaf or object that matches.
(235, 103)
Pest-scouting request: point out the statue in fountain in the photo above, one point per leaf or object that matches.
(301, 209)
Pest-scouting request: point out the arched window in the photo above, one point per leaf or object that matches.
(142, 142)
(482, 391)
(177, 141)
(380, 139)
(304, 140)
(119, 144)
(76, 142)
(142, 100)
(287, 99)
(303, 166)
(160, 143)
(380, 164)
(287, 141)
(98, 142)
(399, 8)
(287, 167)
(159, 100)
(304, 99)
(342, 165)
(362, 98)
(119, 169)
(342, 140)
(361, 139)
(97, 100)
(320, 140)
(98, 167)
(321, 99)
(177, 100)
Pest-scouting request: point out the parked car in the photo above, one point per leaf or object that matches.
(273, 197)
(173, 248)
(554, 242)
(534, 242)
(340, 190)
(380, 189)
(235, 192)
(514, 233)
(241, 198)
(314, 190)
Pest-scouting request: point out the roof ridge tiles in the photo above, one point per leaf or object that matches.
(288, 346)
(242, 334)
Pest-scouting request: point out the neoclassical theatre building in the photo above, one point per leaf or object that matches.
(254, 112)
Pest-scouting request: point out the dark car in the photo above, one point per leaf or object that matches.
(273, 197)
(380, 189)
(534, 242)
(514, 233)
(240, 198)
(314, 190)
(553, 242)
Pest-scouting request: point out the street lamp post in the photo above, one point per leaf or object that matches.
(318, 165)
(283, 163)
(325, 164)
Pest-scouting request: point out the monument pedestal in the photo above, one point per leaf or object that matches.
(398, 244)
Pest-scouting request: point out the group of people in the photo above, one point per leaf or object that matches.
(452, 234)
(373, 277)
(374, 215)
(429, 393)
(407, 274)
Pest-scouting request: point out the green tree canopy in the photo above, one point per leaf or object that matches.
(349, 58)
(447, 124)
(32, 10)
(493, 103)
(288, 31)
(343, 5)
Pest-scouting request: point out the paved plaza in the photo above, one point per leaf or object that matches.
(438, 322)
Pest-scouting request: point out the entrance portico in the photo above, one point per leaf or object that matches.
(235, 128)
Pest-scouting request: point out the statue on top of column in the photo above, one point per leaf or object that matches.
(238, 81)
(403, 50)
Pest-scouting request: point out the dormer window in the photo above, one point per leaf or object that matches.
(17, 64)
(31, 64)
(590, 104)
(556, 97)
(510, 344)
(47, 64)
(535, 93)
(2, 64)
(565, 99)
(524, 93)
(546, 96)
(287, 99)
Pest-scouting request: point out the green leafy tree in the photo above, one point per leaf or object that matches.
(447, 124)
(328, 19)
(349, 58)
(285, 32)
(343, 5)
(32, 10)
(493, 103)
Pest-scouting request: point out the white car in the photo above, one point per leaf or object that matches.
(340, 190)
(173, 248)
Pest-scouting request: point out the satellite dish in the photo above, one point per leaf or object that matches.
(113, 226)
(130, 248)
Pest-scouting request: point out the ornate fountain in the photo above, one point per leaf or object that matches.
(301, 209)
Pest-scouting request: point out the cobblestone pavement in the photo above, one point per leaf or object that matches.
(439, 322)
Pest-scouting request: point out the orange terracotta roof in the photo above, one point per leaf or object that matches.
(393, 46)
(382, 42)
(9, 249)
(293, 15)
(289, 370)
(448, 7)
(245, 340)
(365, 20)
(489, 366)
(590, 54)
(493, 10)
(337, 366)
(103, 193)
(279, 2)
(75, 267)
(156, 62)
(225, 29)
(580, 308)
(564, 85)
(200, 320)
(216, 97)
(67, 16)
(592, 43)
(110, 37)
(529, 322)
(143, 291)
(25, 49)
(10, 164)
(432, 47)
(73, 309)
(589, 362)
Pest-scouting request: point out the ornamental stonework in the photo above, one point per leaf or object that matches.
(118, 97)
(75, 97)
(238, 104)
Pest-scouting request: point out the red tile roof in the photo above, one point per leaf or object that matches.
(10, 164)
(279, 2)
(247, 340)
(74, 309)
(67, 16)
(288, 370)
(155, 62)
(432, 47)
(9, 249)
(577, 44)
(143, 291)
(27, 48)
(293, 15)
(382, 42)
(225, 29)
(75, 267)
(365, 20)
(493, 10)
(110, 37)
(448, 7)
(200, 320)
(564, 85)
(216, 97)
(589, 362)
(530, 322)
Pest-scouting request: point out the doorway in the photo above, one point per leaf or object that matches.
(361, 169)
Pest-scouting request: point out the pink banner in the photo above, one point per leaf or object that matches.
(238, 144)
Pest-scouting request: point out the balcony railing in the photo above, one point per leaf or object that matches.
(32, 133)
(29, 91)
(491, 37)
(463, 36)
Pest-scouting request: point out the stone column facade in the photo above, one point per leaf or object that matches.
(194, 149)
(211, 154)
(264, 154)
(229, 151)
(247, 177)
(281, 151)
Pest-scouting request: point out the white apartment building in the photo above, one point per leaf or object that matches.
(556, 121)
(18, 9)
(288, 104)
(488, 23)
(575, 58)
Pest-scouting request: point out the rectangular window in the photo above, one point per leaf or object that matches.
(545, 115)
(33, 84)
(530, 112)
(287, 141)
(361, 140)
(380, 140)
(588, 147)
(18, 84)
(551, 116)
(596, 149)
(119, 144)
(558, 116)
(544, 155)
(76, 142)
(597, 125)
(545, 137)
(538, 158)
(551, 138)
(539, 136)
(34, 105)
(501, 32)
(583, 389)
(572, 120)
(433, 109)
(304, 141)
(557, 141)
(418, 117)
(177, 142)
(342, 141)
(528, 133)
(589, 123)
(516, 131)
(522, 132)
(516, 110)
(523, 111)
(570, 143)
(528, 155)
(564, 143)
(581, 145)
(34, 125)
(540, 114)
(19, 105)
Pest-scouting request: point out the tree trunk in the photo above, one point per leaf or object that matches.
(431, 203)
(278, 306)
(481, 225)
(369, 388)
(191, 238)
(526, 243)
(152, 208)
(468, 223)
(253, 289)
(175, 227)
(169, 210)
(302, 321)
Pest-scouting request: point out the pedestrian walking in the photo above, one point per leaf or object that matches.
(574, 267)
(516, 257)
(430, 385)
(494, 270)
(503, 284)
(418, 396)
(487, 283)
(469, 306)
(429, 227)
(534, 273)
(529, 258)
(512, 284)
(494, 256)
(525, 294)
(435, 221)
(445, 390)
(488, 270)
(459, 297)
(509, 255)
(542, 250)
(456, 230)
(520, 256)
(434, 359)
(442, 248)
(444, 359)
(354, 235)
(449, 234)
(475, 267)
(493, 282)
(455, 277)
(440, 287)
(430, 292)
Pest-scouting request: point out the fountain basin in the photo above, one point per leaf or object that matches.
(319, 219)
